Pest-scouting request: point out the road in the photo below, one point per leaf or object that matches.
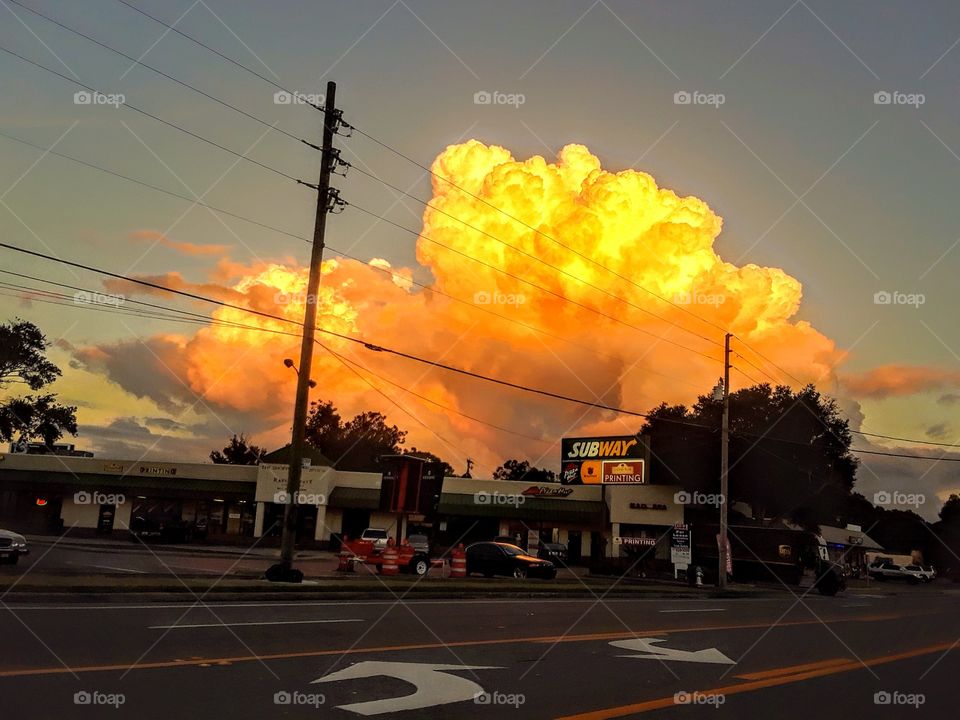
(585, 659)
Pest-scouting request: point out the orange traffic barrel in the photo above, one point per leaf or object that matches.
(458, 562)
(389, 565)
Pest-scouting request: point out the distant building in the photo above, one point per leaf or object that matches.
(39, 448)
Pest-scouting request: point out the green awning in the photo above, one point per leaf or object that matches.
(104, 482)
(358, 498)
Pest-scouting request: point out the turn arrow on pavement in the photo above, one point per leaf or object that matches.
(434, 685)
(646, 646)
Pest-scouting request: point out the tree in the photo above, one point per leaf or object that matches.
(788, 450)
(523, 471)
(358, 443)
(23, 360)
(239, 451)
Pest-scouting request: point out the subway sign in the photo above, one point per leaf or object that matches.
(617, 460)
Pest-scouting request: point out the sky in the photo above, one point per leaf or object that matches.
(820, 144)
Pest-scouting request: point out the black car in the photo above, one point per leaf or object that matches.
(554, 552)
(497, 558)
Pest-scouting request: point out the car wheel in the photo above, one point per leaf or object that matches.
(520, 573)
(419, 566)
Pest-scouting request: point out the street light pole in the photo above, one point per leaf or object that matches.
(284, 570)
(724, 463)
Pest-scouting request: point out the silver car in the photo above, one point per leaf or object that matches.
(12, 546)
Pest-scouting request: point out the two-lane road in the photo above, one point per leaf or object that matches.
(823, 657)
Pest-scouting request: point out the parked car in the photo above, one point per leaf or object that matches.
(926, 575)
(495, 558)
(554, 552)
(891, 571)
(12, 546)
(378, 536)
(419, 542)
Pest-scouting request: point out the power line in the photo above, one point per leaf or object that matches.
(140, 63)
(529, 255)
(213, 50)
(509, 274)
(341, 253)
(154, 117)
(369, 345)
(157, 188)
(398, 353)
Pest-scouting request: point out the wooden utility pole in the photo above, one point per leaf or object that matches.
(724, 463)
(284, 570)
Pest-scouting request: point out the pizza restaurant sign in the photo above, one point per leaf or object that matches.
(619, 460)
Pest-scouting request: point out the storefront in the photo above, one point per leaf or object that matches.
(235, 503)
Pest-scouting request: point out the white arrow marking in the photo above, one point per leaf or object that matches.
(645, 645)
(433, 685)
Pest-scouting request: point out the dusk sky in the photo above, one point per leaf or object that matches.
(789, 138)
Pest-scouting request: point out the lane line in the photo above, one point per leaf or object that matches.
(166, 664)
(667, 702)
(253, 624)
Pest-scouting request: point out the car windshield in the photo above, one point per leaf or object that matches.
(417, 538)
(374, 533)
(914, 567)
(511, 549)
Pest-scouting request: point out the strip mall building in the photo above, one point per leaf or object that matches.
(236, 503)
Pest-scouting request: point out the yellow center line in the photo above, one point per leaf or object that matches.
(780, 679)
(164, 664)
(793, 669)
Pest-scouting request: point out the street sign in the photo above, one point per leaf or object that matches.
(646, 646)
(635, 541)
(434, 685)
(680, 554)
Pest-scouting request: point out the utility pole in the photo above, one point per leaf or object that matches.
(283, 571)
(724, 463)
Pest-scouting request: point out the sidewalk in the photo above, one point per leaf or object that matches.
(120, 546)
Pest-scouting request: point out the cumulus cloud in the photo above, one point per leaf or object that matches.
(595, 347)
(185, 248)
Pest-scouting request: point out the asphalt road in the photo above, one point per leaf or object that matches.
(746, 658)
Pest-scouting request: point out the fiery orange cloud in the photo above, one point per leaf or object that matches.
(186, 248)
(622, 220)
(898, 380)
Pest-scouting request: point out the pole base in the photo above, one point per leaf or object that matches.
(281, 573)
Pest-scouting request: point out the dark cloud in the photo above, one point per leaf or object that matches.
(938, 431)
(949, 399)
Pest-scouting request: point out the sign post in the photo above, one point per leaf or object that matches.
(680, 554)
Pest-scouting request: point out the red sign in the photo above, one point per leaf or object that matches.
(622, 472)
